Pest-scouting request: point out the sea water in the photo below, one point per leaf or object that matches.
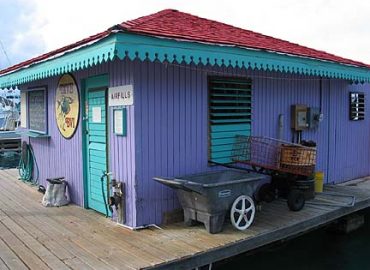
(317, 250)
(9, 160)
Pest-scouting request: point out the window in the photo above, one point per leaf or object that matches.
(229, 115)
(37, 110)
(357, 106)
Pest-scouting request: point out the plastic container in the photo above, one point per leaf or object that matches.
(319, 182)
(207, 197)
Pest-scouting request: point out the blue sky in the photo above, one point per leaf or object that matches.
(32, 27)
(16, 35)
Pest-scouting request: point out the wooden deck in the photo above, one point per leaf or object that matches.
(35, 237)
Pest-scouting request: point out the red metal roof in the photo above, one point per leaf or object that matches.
(174, 24)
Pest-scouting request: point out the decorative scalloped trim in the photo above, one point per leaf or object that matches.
(123, 45)
(70, 62)
(290, 69)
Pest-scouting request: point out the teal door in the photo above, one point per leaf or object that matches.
(96, 140)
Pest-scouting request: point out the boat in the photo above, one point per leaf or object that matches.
(9, 109)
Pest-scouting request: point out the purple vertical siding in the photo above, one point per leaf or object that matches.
(172, 126)
(168, 129)
(57, 156)
(275, 95)
(350, 140)
(122, 148)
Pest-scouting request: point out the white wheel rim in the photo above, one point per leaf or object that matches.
(242, 212)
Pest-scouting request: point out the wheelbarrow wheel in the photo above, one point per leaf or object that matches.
(242, 212)
(296, 200)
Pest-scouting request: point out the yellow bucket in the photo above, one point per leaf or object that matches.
(319, 181)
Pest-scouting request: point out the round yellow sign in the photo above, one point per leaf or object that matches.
(67, 106)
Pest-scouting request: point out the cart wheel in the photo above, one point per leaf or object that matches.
(242, 212)
(266, 193)
(296, 200)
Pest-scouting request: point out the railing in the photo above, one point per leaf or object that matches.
(10, 145)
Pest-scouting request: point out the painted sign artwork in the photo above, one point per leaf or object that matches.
(67, 106)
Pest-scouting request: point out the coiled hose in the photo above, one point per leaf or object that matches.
(27, 163)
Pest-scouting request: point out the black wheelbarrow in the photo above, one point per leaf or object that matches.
(208, 197)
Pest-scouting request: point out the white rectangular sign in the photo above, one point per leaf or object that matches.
(96, 114)
(121, 95)
(118, 121)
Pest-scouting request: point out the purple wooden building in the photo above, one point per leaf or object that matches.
(164, 94)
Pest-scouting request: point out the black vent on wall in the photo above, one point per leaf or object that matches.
(357, 106)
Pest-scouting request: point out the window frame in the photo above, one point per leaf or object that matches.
(359, 114)
(45, 90)
(123, 110)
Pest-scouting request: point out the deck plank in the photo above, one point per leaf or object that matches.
(106, 253)
(3, 265)
(49, 226)
(52, 240)
(10, 259)
(75, 238)
(33, 246)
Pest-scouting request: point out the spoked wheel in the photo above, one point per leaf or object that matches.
(242, 212)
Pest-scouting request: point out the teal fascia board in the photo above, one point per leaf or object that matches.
(135, 46)
(145, 47)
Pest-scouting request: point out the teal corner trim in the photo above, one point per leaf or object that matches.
(135, 46)
(84, 141)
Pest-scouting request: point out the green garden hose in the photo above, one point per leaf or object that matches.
(27, 163)
(105, 175)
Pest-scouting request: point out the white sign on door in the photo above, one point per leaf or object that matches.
(96, 114)
(121, 95)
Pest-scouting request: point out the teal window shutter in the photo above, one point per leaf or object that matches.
(230, 111)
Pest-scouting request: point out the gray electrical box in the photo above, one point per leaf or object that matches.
(313, 117)
(299, 117)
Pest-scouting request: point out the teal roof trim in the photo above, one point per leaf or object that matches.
(151, 48)
(145, 47)
(82, 58)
